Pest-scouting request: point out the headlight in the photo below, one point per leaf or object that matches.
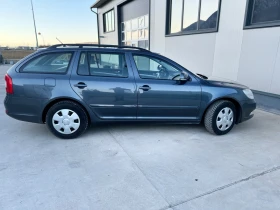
(248, 93)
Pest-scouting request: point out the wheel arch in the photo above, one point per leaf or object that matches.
(56, 100)
(234, 101)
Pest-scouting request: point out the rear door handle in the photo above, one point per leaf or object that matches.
(80, 85)
(145, 88)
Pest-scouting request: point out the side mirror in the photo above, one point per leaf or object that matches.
(184, 77)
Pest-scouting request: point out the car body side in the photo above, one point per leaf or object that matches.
(35, 93)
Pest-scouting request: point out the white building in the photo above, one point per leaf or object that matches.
(234, 39)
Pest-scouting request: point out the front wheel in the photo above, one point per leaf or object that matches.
(220, 117)
(67, 120)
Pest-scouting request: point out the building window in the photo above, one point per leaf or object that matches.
(135, 32)
(109, 21)
(192, 16)
(262, 13)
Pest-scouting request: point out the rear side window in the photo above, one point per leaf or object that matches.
(51, 63)
(102, 64)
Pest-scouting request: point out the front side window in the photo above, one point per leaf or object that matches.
(109, 21)
(103, 64)
(154, 68)
(192, 16)
(51, 63)
(263, 12)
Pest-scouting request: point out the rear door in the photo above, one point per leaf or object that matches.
(105, 81)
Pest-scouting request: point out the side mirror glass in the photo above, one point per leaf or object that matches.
(183, 78)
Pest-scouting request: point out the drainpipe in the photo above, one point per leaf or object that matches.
(97, 25)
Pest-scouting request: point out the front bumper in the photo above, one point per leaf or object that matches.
(247, 108)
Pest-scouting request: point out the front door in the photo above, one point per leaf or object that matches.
(105, 82)
(160, 95)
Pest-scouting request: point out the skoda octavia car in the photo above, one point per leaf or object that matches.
(68, 87)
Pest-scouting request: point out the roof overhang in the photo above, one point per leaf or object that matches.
(99, 3)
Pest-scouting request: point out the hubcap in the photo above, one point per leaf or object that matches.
(66, 121)
(225, 119)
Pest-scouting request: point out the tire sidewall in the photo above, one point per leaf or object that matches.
(71, 106)
(215, 115)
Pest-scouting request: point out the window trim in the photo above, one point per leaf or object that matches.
(43, 54)
(99, 52)
(104, 22)
(155, 57)
(181, 33)
(249, 16)
(77, 72)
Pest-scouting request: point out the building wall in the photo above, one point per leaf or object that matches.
(229, 39)
(110, 37)
(157, 26)
(251, 57)
(195, 52)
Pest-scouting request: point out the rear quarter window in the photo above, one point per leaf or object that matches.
(50, 63)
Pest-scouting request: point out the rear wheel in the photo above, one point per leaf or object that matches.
(220, 117)
(67, 120)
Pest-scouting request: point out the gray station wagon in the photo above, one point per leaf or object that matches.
(71, 86)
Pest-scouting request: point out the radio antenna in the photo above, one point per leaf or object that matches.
(59, 40)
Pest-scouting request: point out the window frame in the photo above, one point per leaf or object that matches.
(182, 33)
(100, 52)
(43, 54)
(80, 56)
(155, 57)
(104, 21)
(249, 17)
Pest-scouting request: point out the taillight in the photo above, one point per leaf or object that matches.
(9, 84)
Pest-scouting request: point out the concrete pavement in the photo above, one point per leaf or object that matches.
(145, 167)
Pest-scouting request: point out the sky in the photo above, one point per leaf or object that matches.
(70, 20)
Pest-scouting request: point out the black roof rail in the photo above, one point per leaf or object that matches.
(97, 45)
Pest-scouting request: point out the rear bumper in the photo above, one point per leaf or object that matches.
(247, 108)
(24, 110)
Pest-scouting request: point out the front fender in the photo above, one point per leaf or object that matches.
(210, 95)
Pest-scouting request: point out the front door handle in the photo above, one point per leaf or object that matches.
(145, 88)
(80, 85)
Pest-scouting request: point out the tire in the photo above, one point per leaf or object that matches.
(220, 117)
(67, 120)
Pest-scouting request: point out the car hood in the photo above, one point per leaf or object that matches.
(219, 81)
